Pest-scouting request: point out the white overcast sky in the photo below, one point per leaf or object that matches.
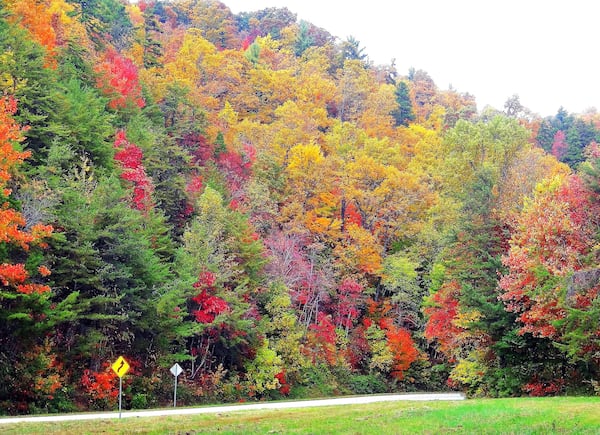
(547, 52)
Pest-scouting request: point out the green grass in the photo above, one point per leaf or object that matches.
(560, 415)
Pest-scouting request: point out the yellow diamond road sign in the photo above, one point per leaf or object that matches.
(120, 366)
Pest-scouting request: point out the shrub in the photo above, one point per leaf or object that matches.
(367, 384)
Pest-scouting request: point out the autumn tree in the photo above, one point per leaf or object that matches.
(129, 157)
(25, 312)
(423, 93)
(36, 17)
(15, 276)
(25, 77)
(307, 284)
(220, 240)
(354, 86)
(559, 145)
(213, 18)
(549, 284)
(118, 80)
(565, 208)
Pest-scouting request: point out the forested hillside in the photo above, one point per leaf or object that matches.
(252, 198)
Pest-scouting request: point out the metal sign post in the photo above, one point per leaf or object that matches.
(176, 370)
(120, 393)
(120, 367)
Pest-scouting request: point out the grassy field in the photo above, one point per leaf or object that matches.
(560, 415)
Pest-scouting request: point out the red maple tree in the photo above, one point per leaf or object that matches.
(130, 157)
(441, 314)
(118, 80)
(209, 305)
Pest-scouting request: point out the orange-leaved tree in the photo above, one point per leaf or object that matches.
(36, 17)
(23, 296)
(13, 235)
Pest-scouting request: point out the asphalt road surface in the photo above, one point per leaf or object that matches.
(355, 400)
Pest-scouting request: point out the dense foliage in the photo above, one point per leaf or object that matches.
(252, 198)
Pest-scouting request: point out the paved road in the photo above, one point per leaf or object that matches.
(233, 408)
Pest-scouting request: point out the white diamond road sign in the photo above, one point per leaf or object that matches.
(176, 370)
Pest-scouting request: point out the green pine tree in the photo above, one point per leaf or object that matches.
(404, 113)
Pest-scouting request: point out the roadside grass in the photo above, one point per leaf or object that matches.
(556, 415)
